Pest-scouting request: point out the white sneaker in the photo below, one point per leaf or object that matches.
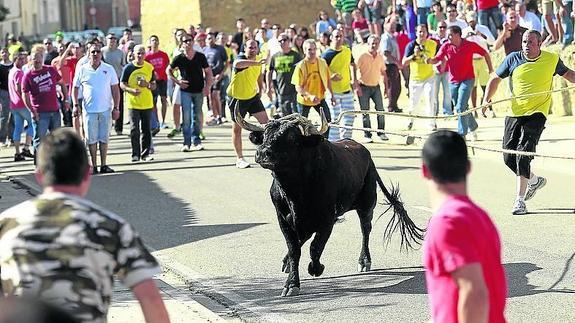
(367, 140)
(147, 158)
(197, 147)
(242, 163)
(519, 208)
(135, 159)
(473, 135)
(185, 148)
(532, 188)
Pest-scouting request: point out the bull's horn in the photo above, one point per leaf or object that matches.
(243, 123)
(324, 124)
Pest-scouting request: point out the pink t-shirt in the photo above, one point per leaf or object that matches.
(460, 59)
(459, 234)
(486, 4)
(160, 61)
(14, 79)
(41, 85)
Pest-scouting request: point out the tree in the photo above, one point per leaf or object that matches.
(3, 12)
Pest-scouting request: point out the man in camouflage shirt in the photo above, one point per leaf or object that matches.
(64, 249)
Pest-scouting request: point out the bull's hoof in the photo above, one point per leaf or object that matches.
(363, 268)
(290, 291)
(315, 271)
(285, 268)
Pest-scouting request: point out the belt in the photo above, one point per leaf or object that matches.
(346, 92)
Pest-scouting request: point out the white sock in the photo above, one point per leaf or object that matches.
(520, 198)
(533, 179)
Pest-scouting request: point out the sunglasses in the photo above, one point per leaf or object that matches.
(95, 51)
(442, 27)
(187, 41)
(283, 40)
(47, 43)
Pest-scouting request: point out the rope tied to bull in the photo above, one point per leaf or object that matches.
(410, 138)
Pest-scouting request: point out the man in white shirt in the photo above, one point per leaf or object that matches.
(98, 83)
(528, 19)
(452, 19)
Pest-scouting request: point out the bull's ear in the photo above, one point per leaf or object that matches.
(257, 137)
(311, 140)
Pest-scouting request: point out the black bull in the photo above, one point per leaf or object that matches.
(315, 181)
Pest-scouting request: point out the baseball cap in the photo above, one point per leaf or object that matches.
(200, 36)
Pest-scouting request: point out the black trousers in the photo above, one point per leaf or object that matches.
(394, 86)
(522, 134)
(119, 123)
(322, 105)
(137, 118)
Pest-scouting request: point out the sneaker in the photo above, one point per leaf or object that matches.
(410, 125)
(105, 169)
(27, 153)
(383, 137)
(532, 188)
(173, 133)
(367, 140)
(95, 170)
(434, 127)
(242, 163)
(340, 219)
(164, 126)
(197, 147)
(19, 157)
(213, 122)
(155, 131)
(473, 135)
(147, 158)
(223, 119)
(135, 159)
(185, 148)
(519, 208)
(201, 135)
(119, 133)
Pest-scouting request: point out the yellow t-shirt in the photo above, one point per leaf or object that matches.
(130, 75)
(421, 71)
(244, 83)
(339, 61)
(312, 84)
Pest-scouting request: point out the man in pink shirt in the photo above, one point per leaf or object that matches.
(40, 96)
(459, 53)
(19, 111)
(462, 249)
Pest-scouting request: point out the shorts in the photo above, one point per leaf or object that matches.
(161, 88)
(481, 72)
(176, 97)
(522, 134)
(253, 106)
(97, 127)
(372, 15)
(217, 86)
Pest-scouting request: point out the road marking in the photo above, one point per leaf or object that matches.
(209, 288)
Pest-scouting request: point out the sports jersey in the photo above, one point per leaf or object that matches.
(420, 70)
(339, 62)
(65, 250)
(244, 83)
(313, 78)
(531, 76)
(130, 74)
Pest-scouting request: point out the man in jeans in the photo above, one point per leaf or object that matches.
(194, 82)
(138, 81)
(114, 56)
(39, 95)
(490, 15)
(459, 53)
(99, 85)
(389, 49)
(5, 126)
(371, 69)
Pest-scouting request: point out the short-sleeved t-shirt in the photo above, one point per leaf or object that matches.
(95, 85)
(389, 44)
(130, 75)
(313, 83)
(65, 250)
(217, 58)
(420, 70)
(244, 82)
(116, 58)
(339, 61)
(460, 59)
(41, 86)
(14, 80)
(531, 76)
(191, 70)
(460, 233)
(284, 66)
(160, 61)
(370, 68)
(432, 21)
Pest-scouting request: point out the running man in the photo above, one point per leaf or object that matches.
(531, 70)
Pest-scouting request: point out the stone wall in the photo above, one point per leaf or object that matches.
(161, 17)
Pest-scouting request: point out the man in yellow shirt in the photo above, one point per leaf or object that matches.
(244, 91)
(311, 78)
(422, 77)
(371, 68)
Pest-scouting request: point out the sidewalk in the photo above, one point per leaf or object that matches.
(125, 308)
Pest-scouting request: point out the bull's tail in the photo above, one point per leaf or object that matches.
(411, 234)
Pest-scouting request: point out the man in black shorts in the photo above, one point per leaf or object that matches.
(244, 91)
(531, 71)
(160, 60)
(217, 58)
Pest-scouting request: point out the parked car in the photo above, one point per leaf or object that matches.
(118, 31)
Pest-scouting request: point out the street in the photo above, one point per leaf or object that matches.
(214, 226)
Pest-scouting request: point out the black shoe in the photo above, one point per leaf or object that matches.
(19, 157)
(26, 153)
(155, 131)
(105, 169)
(95, 170)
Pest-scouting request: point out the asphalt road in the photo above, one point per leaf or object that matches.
(215, 225)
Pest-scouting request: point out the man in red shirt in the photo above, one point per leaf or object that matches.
(462, 249)
(160, 60)
(459, 53)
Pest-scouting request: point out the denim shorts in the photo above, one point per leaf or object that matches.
(97, 127)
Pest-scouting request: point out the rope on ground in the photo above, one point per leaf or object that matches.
(455, 115)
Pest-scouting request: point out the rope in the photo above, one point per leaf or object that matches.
(411, 138)
(453, 116)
